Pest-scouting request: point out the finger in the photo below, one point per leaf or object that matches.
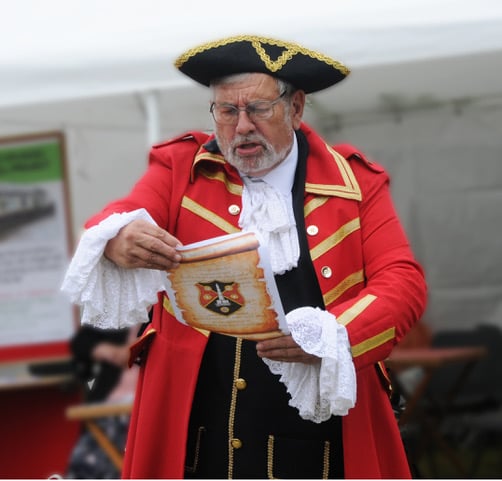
(153, 260)
(159, 249)
(158, 241)
(141, 244)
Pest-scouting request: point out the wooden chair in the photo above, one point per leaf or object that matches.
(89, 413)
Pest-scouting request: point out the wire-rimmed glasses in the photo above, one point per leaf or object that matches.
(228, 114)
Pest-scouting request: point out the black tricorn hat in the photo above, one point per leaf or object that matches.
(304, 69)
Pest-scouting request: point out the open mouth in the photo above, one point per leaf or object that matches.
(246, 149)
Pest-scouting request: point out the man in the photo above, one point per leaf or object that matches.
(216, 406)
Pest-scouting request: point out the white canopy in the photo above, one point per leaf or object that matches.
(56, 49)
(424, 98)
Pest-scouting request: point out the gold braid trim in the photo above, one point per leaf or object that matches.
(350, 281)
(231, 187)
(349, 190)
(291, 50)
(335, 238)
(325, 462)
(270, 457)
(314, 204)
(208, 215)
(373, 342)
(352, 312)
(233, 407)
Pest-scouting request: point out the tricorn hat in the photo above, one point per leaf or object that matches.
(305, 69)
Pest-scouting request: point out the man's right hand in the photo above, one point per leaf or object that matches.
(142, 244)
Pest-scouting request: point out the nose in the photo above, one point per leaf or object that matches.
(244, 123)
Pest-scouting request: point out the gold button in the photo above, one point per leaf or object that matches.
(326, 272)
(236, 443)
(234, 209)
(240, 384)
(312, 230)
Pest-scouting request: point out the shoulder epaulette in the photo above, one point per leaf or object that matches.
(350, 152)
(198, 137)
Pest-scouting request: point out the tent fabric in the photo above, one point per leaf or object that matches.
(59, 50)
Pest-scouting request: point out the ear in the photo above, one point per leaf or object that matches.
(297, 106)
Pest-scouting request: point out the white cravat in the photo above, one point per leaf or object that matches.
(270, 213)
(267, 209)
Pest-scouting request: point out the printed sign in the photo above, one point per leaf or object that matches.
(35, 241)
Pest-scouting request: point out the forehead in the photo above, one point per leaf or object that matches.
(245, 86)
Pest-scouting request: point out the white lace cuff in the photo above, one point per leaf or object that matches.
(327, 388)
(111, 297)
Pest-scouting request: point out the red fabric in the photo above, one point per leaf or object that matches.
(376, 288)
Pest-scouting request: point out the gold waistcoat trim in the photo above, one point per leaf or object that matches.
(233, 405)
(270, 458)
(350, 281)
(335, 238)
(356, 309)
(208, 215)
(195, 463)
(325, 462)
(373, 342)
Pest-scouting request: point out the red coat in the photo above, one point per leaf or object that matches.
(368, 276)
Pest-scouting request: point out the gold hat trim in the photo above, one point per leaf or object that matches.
(274, 66)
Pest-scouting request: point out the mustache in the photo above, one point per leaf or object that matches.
(249, 139)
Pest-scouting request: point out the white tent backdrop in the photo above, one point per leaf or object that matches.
(424, 99)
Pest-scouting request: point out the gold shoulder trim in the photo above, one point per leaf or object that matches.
(205, 156)
(209, 156)
(350, 281)
(208, 215)
(352, 312)
(231, 187)
(373, 342)
(290, 51)
(350, 189)
(335, 238)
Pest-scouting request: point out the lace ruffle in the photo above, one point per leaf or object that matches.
(328, 388)
(110, 296)
(266, 211)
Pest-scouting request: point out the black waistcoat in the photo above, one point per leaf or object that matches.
(268, 437)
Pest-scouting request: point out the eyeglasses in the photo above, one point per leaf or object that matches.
(228, 114)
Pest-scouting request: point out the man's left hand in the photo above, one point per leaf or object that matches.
(284, 348)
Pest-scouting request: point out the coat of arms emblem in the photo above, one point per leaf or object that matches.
(220, 297)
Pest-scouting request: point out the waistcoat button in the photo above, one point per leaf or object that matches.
(241, 384)
(236, 443)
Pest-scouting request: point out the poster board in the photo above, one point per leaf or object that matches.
(36, 319)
